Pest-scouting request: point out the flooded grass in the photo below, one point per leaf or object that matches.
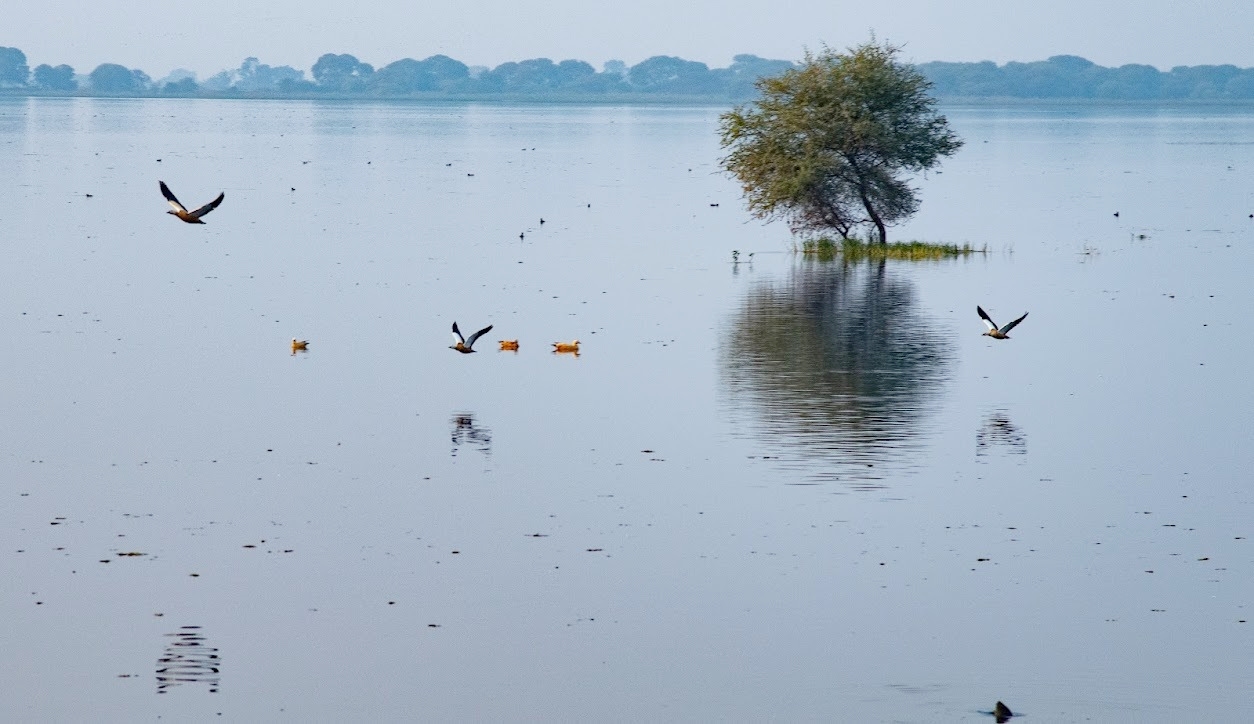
(859, 250)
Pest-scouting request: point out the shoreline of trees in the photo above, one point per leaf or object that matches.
(660, 79)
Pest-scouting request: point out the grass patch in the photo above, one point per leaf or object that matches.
(858, 250)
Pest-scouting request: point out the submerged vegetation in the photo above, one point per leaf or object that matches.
(859, 250)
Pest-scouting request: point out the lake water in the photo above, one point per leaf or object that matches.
(776, 488)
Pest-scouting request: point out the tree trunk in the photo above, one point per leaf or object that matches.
(875, 218)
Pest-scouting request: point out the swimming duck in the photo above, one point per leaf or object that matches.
(993, 330)
(301, 344)
(463, 345)
(191, 217)
(571, 346)
(509, 344)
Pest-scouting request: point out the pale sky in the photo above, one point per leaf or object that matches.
(157, 37)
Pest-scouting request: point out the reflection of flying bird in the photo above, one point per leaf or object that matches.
(191, 217)
(993, 330)
(463, 345)
(571, 346)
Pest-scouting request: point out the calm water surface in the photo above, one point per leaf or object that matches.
(775, 488)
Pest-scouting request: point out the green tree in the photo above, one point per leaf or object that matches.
(13, 69)
(59, 78)
(111, 78)
(341, 73)
(826, 145)
(668, 74)
(745, 70)
(185, 86)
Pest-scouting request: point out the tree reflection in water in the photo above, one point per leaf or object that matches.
(999, 431)
(837, 365)
(468, 433)
(188, 659)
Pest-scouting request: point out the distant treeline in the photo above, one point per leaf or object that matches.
(1072, 77)
(659, 77)
(436, 76)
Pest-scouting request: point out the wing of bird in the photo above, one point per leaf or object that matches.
(208, 207)
(1011, 326)
(471, 342)
(457, 335)
(987, 320)
(169, 196)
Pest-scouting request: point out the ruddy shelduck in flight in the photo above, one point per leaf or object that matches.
(179, 210)
(464, 345)
(993, 330)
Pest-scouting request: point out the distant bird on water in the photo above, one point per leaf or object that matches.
(463, 345)
(510, 345)
(179, 210)
(300, 344)
(993, 330)
(571, 346)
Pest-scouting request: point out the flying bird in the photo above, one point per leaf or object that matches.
(179, 210)
(993, 330)
(463, 345)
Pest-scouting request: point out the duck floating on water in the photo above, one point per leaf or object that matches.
(509, 345)
(571, 346)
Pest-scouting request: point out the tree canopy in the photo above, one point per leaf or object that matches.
(13, 68)
(341, 72)
(60, 78)
(826, 145)
(114, 78)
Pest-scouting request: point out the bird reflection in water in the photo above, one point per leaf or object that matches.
(835, 369)
(188, 659)
(468, 433)
(999, 431)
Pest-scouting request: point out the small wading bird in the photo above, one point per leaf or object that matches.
(191, 217)
(993, 330)
(571, 346)
(509, 344)
(300, 344)
(463, 345)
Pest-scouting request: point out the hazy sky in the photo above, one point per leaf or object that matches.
(209, 37)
